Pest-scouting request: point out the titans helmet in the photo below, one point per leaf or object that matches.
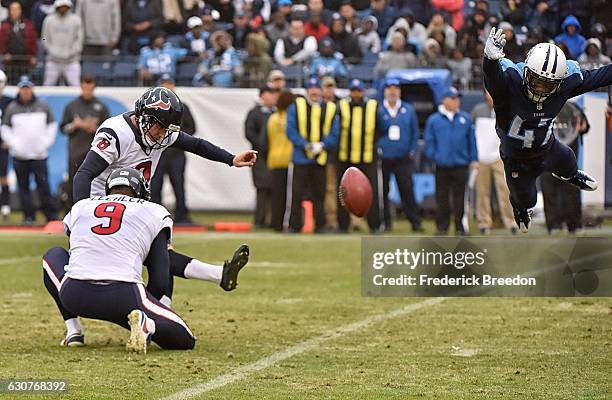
(545, 69)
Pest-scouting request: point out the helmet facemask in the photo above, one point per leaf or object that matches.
(540, 88)
(146, 122)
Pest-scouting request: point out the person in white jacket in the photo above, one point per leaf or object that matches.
(491, 168)
(29, 130)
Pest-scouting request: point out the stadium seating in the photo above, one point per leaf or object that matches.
(124, 73)
(185, 72)
(101, 70)
(294, 75)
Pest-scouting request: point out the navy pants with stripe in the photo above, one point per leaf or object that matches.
(112, 302)
(521, 175)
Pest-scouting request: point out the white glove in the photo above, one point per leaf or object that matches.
(315, 148)
(494, 48)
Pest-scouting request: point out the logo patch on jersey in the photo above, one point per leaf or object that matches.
(103, 144)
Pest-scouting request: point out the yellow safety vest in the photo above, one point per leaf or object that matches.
(357, 132)
(311, 126)
(279, 146)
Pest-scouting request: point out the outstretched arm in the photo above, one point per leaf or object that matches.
(491, 64)
(205, 149)
(93, 166)
(594, 79)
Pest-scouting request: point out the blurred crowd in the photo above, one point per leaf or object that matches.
(237, 43)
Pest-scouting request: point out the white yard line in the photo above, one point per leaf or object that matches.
(8, 261)
(245, 371)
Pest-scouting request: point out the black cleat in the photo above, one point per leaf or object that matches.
(522, 218)
(229, 280)
(581, 180)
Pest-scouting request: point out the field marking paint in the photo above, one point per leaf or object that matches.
(245, 371)
(9, 261)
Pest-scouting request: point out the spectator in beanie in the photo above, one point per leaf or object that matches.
(325, 63)
(29, 131)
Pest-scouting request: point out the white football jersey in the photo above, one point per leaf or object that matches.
(110, 237)
(117, 142)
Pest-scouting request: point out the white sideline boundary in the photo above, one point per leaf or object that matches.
(246, 370)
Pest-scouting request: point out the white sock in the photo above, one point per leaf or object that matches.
(207, 272)
(150, 324)
(73, 325)
(165, 300)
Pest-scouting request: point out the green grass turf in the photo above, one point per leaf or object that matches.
(299, 287)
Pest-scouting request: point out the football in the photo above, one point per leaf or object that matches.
(355, 192)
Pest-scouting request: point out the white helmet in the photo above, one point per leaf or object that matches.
(2, 79)
(545, 69)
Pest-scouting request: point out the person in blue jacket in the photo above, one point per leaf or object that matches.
(399, 131)
(451, 144)
(571, 36)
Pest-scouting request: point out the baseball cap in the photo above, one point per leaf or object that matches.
(25, 81)
(326, 42)
(328, 81)
(194, 21)
(284, 3)
(275, 74)
(312, 82)
(61, 3)
(207, 10)
(356, 84)
(452, 92)
(392, 82)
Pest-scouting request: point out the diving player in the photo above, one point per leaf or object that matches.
(137, 139)
(111, 237)
(527, 98)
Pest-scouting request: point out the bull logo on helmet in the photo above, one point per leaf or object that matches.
(159, 104)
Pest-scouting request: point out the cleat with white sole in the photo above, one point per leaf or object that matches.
(74, 340)
(522, 218)
(139, 337)
(581, 180)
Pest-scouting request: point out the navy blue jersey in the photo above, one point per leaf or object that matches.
(524, 127)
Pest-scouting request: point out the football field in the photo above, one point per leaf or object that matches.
(297, 327)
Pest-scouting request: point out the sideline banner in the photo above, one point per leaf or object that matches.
(219, 115)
